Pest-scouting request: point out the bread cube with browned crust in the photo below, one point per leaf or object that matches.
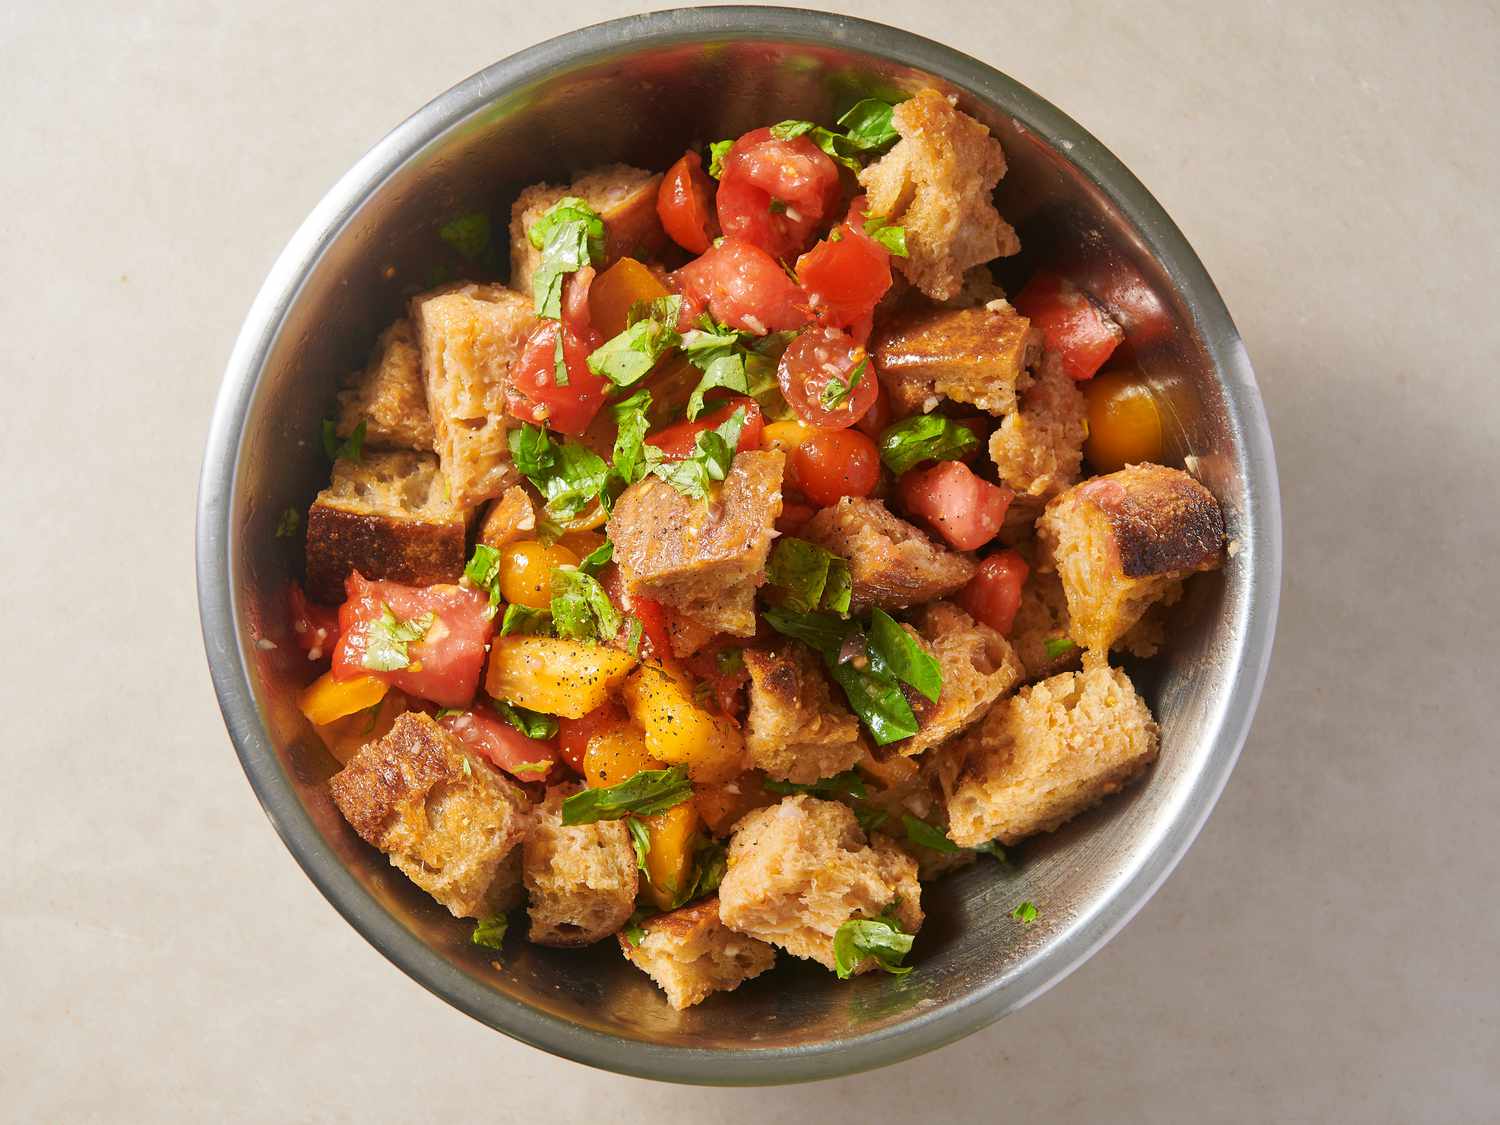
(981, 355)
(802, 868)
(795, 729)
(1124, 541)
(703, 558)
(1055, 749)
(691, 954)
(622, 196)
(892, 564)
(447, 819)
(1039, 448)
(938, 183)
(388, 396)
(581, 879)
(978, 667)
(388, 516)
(511, 517)
(469, 337)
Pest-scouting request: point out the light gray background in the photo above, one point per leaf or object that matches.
(1327, 951)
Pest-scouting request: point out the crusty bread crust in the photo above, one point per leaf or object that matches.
(509, 518)
(385, 516)
(978, 355)
(1039, 448)
(795, 729)
(581, 879)
(447, 819)
(937, 183)
(978, 668)
(892, 564)
(388, 396)
(691, 954)
(1056, 748)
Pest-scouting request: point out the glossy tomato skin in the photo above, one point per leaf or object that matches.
(315, 627)
(964, 509)
(743, 287)
(653, 616)
(874, 421)
(776, 193)
(846, 274)
(535, 394)
(574, 735)
(833, 464)
(445, 666)
(683, 203)
(504, 747)
(814, 360)
(1081, 333)
(721, 667)
(680, 439)
(994, 593)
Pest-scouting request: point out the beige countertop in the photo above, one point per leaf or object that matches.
(1328, 949)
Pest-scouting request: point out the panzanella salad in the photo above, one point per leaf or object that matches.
(745, 560)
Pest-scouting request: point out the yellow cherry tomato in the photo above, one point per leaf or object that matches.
(1125, 425)
(785, 436)
(526, 571)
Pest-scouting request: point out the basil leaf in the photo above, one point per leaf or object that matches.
(640, 839)
(821, 631)
(846, 784)
(710, 863)
(924, 835)
(633, 631)
(892, 237)
(991, 848)
(838, 591)
(490, 932)
(630, 436)
(834, 144)
(468, 234)
(870, 817)
(570, 236)
(483, 573)
(836, 390)
(634, 932)
(386, 639)
(595, 560)
(924, 437)
(868, 125)
(801, 571)
(287, 525)
(1056, 646)
(717, 151)
(879, 938)
(1025, 913)
(559, 362)
(533, 724)
(709, 463)
(876, 699)
(524, 620)
(727, 372)
(532, 450)
(581, 609)
(647, 792)
(899, 651)
(570, 475)
(631, 354)
(352, 448)
(730, 661)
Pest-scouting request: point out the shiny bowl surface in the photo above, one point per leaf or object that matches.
(639, 90)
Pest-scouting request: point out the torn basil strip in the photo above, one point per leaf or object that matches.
(644, 794)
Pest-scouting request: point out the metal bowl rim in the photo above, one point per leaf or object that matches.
(215, 541)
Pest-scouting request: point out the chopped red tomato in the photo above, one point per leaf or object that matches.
(576, 312)
(653, 615)
(776, 193)
(875, 420)
(443, 664)
(683, 203)
(536, 392)
(720, 667)
(315, 627)
(846, 274)
(827, 378)
(994, 593)
(964, 509)
(743, 287)
(503, 746)
(574, 735)
(835, 463)
(1081, 333)
(679, 440)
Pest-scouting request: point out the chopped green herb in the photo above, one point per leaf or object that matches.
(908, 661)
(640, 839)
(386, 639)
(533, 724)
(540, 767)
(287, 525)
(522, 619)
(924, 437)
(880, 938)
(630, 355)
(630, 436)
(892, 237)
(876, 699)
(490, 932)
(468, 234)
(778, 206)
(581, 609)
(468, 768)
(924, 835)
(991, 848)
(570, 236)
(634, 932)
(801, 572)
(870, 817)
(710, 863)
(836, 391)
(717, 151)
(1025, 913)
(713, 454)
(846, 784)
(730, 661)
(839, 589)
(483, 573)
(351, 448)
(820, 631)
(647, 792)
(1056, 646)
(559, 362)
(633, 631)
(594, 561)
(868, 125)
(445, 712)
(569, 474)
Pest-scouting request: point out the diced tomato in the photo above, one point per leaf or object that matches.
(816, 372)
(994, 593)
(315, 627)
(794, 516)
(653, 616)
(846, 274)
(835, 463)
(577, 311)
(775, 193)
(964, 509)
(1081, 333)
(574, 735)
(683, 204)
(743, 287)
(535, 392)
(679, 440)
(720, 666)
(506, 748)
(444, 665)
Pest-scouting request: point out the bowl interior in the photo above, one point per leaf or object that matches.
(640, 94)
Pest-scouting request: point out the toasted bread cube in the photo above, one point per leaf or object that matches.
(1123, 541)
(509, 518)
(1055, 749)
(446, 818)
(581, 878)
(704, 559)
(388, 396)
(802, 868)
(903, 787)
(1039, 448)
(981, 356)
(624, 197)
(937, 182)
(470, 336)
(891, 563)
(1042, 621)
(691, 954)
(795, 729)
(387, 516)
(978, 668)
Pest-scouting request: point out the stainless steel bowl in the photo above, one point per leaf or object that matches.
(638, 90)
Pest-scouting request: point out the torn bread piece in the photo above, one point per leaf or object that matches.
(691, 954)
(978, 667)
(981, 355)
(795, 729)
(892, 564)
(388, 397)
(581, 879)
(1038, 449)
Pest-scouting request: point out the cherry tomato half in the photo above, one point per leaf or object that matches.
(994, 593)
(775, 193)
(835, 463)
(537, 394)
(1124, 422)
(964, 509)
(847, 273)
(827, 378)
(503, 746)
(683, 204)
(679, 441)
(743, 287)
(574, 735)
